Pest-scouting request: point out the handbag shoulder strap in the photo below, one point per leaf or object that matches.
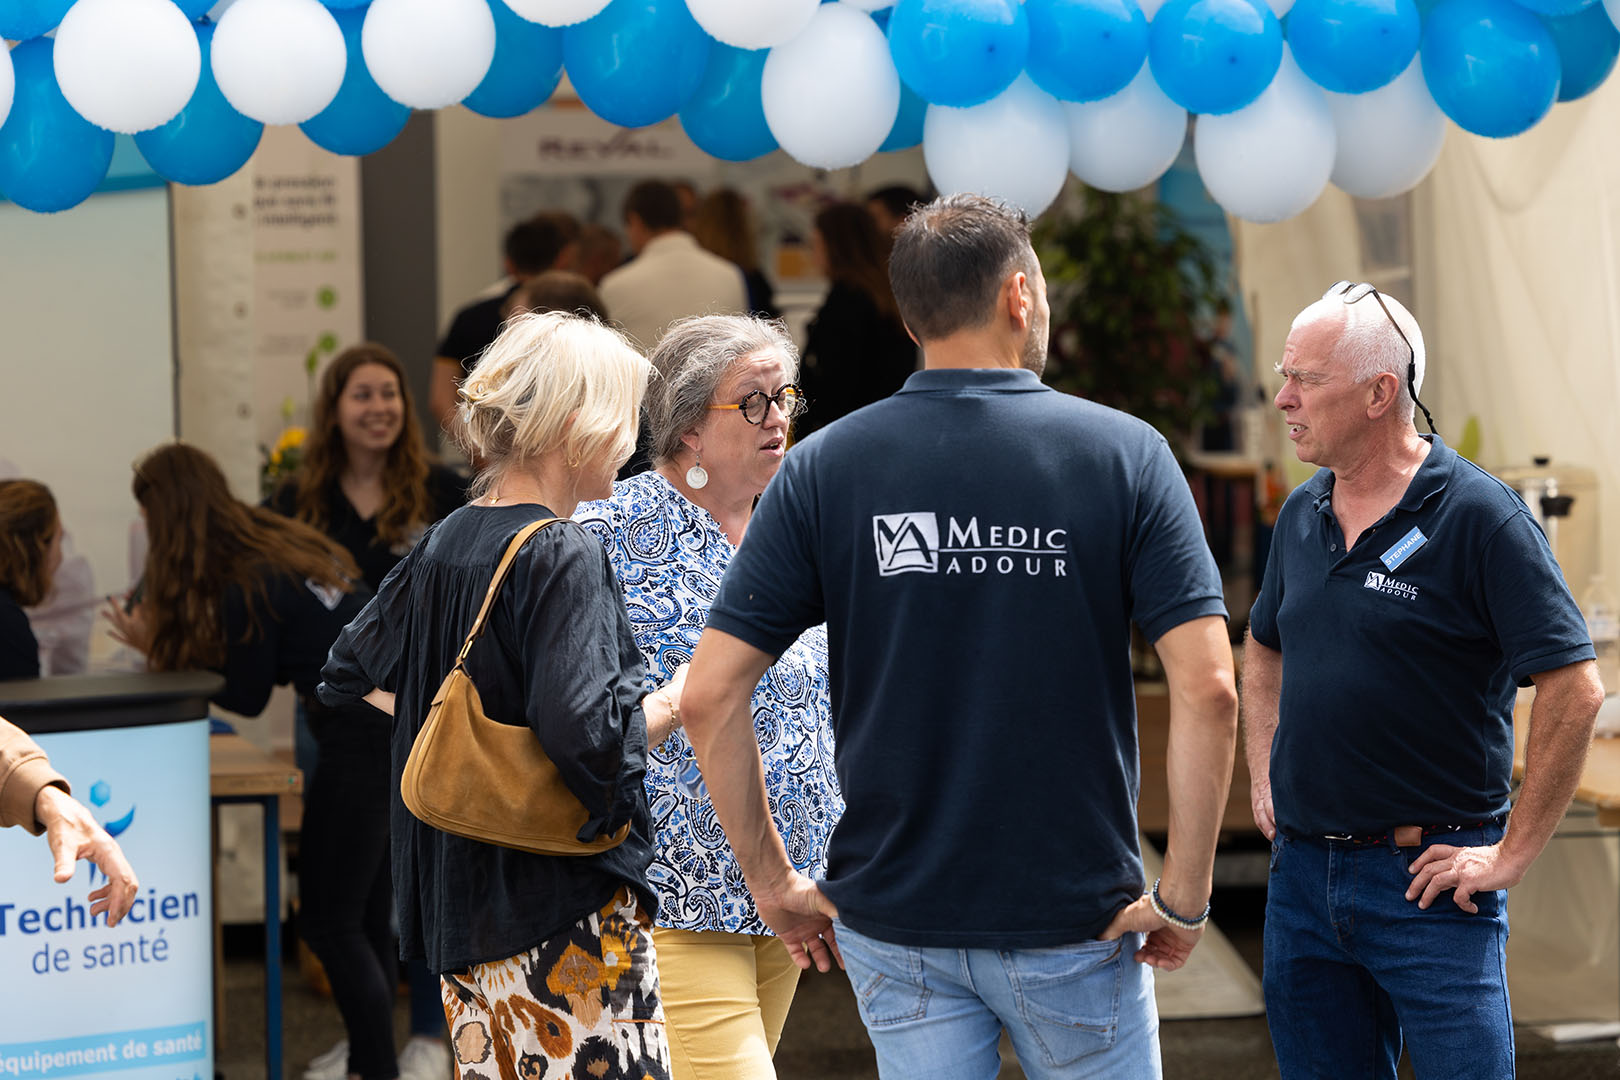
(495, 583)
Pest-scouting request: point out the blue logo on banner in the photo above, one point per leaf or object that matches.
(1403, 549)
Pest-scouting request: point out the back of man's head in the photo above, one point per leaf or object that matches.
(533, 247)
(657, 205)
(950, 259)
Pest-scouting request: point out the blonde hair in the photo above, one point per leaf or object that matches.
(550, 381)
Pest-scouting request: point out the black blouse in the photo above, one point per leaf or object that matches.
(853, 355)
(557, 655)
(297, 622)
(446, 491)
(19, 649)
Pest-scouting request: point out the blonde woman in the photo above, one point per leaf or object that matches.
(546, 962)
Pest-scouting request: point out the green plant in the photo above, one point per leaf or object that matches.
(1132, 293)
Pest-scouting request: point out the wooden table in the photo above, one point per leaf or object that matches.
(240, 772)
(1600, 779)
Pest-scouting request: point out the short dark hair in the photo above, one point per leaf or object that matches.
(533, 246)
(556, 290)
(897, 199)
(656, 204)
(950, 258)
(566, 224)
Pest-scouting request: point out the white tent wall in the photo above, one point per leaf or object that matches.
(1516, 281)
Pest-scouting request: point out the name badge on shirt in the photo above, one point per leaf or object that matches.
(1403, 549)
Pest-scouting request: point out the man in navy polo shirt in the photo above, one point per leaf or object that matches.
(978, 545)
(1406, 594)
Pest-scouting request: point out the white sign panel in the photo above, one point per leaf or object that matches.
(134, 1002)
(569, 140)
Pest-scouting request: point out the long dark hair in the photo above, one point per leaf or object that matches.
(28, 521)
(406, 503)
(203, 540)
(856, 254)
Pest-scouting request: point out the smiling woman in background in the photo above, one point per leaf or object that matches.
(366, 482)
(30, 552)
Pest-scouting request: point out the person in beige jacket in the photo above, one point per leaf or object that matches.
(37, 797)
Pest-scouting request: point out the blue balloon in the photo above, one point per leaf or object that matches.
(195, 9)
(209, 140)
(637, 61)
(1587, 46)
(1353, 46)
(361, 119)
(726, 116)
(1214, 56)
(340, 5)
(958, 52)
(1085, 50)
(908, 126)
(1491, 65)
(1557, 7)
(526, 69)
(51, 158)
(21, 20)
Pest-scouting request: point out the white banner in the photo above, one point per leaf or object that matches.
(566, 139)
(136, 1001)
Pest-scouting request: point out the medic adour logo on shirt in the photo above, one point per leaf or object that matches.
(1389, 586)
(911, 543)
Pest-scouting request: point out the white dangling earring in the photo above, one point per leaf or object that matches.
(697, 476)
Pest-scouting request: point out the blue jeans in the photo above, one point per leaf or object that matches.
(1352, 966)
(1072, 1011)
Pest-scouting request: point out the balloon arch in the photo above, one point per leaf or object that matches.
(1005, 96)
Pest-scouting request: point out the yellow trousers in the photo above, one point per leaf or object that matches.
(726, 997)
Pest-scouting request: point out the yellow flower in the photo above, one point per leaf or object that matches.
(291, 439)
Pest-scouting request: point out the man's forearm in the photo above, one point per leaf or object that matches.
(1262, 689)
(1203, 732)
(1561, 722)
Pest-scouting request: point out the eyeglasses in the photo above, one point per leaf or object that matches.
(756, 405)
(1350, 292)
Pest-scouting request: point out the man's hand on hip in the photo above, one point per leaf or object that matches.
(801, 915)
(1466, 869)
(1260, 805)
(1167, 947)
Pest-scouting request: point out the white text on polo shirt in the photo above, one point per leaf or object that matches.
(910, 542)
(1389, 586)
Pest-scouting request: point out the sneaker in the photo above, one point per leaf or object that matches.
(332, 1065)
(424, 1059)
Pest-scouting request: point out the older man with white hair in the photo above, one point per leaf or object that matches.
(1407, 592)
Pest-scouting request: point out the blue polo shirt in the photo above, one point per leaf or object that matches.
(977, 544)
(1400, 656)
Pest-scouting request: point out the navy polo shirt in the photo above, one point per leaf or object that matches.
(978, 545)
(1400, 656)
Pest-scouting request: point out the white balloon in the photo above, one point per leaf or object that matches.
(1389, 138)
(557, 12)
(753, 24)
(1613, 8)
(879, 5)
(1015, 146)
(428, 53)
(831, 94)
(1150, 8)
(1126, 141)
(278, 61)
(127, 65)
(1280, 7)
(1271, 159)
(8, 81)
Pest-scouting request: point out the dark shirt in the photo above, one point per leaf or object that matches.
(446, 490)
(978, 545)
(297, 622)
(761, 294)
(854, 355)
(1400, 656)
(19, 649)
(557, 655)
(473, 329)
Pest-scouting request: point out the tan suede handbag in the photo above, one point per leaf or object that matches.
(475, 777)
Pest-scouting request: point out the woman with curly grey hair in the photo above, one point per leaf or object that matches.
(718, 415)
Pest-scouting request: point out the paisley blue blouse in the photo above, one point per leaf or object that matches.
(669, 556)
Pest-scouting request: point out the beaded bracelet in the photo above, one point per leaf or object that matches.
(1162, 911)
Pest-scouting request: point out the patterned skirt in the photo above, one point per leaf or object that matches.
(584, 1004)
